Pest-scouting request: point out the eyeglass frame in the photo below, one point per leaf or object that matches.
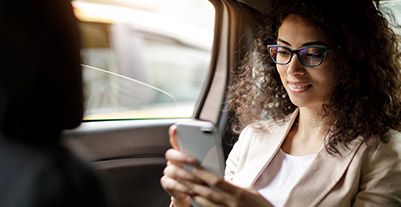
(296, 51)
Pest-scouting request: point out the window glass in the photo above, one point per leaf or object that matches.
(144, 58)
(394, 7)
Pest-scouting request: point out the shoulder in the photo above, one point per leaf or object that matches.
(255, 131)
(43, 177)
(24, 175)
(390, 150)
(74, 180)
(383, 160)
(394, 137)
(264, 129)
(21, 159)
(381, 172)
(259, 134)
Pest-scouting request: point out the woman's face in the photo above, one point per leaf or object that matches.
(306, 86)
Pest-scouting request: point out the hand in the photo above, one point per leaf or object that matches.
(215, 191)
(175, 177)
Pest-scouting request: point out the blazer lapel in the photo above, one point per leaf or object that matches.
(322, 175)
(266, 147)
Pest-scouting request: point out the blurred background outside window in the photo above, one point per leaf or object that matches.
(393, 7)
(144, 59)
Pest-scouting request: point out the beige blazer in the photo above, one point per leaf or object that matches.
(360, 176)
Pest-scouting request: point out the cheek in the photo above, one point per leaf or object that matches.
(282, 71)
(326, 81)
(332, 85)
(326, 74)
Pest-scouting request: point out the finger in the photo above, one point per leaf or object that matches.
(212, 195)
(228, 187)
(207, 177)
(203, 202)
(176, 156)
(174, 188)
(174, 171)
(228, 190)
(216, 181)
(252, 190)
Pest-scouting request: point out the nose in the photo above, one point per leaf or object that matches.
(295, 66)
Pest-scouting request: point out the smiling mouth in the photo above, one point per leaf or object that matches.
(298, 87)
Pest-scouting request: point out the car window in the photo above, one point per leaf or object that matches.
(394, 7)
(144, 59)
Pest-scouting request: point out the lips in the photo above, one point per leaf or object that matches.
(298, 87)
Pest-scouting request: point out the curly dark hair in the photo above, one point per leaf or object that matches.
(366, 100)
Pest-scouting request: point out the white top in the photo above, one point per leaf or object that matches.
(280, 176)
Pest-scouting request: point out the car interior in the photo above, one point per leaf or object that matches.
(130, 151)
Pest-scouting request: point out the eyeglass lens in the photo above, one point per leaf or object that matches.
(308, 56)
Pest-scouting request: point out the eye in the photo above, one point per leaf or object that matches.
(312, 53)
(283, 52)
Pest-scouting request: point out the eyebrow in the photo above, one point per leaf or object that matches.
(305, 44)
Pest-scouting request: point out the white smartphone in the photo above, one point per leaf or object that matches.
(200, 139)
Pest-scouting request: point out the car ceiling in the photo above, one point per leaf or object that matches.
(259, 5)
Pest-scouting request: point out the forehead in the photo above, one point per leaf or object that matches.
(297, 31)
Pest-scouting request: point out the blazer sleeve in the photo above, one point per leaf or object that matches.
(381, 176)
(232, 162)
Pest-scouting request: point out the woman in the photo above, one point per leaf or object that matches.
(329, 88)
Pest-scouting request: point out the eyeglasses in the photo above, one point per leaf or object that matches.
(310, 56)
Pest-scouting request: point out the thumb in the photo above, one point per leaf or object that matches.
(172, 131)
